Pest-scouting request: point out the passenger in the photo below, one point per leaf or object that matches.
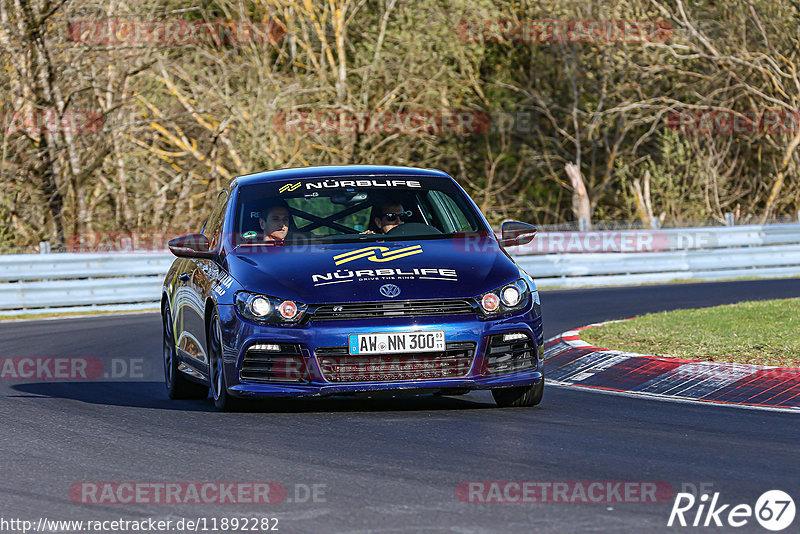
(275, 224)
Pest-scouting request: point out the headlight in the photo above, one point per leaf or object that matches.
(490, 302)
(260, 306)
(266, 309)
(288, 310)
(506, 298)
(510, 296)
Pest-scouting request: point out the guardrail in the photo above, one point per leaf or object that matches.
(37, 283)
(32, 283)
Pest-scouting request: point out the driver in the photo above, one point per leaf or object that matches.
(388, 216)
(275, 223)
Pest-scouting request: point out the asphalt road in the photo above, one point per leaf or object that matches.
(380, 465)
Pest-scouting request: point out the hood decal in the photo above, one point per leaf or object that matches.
(372, 254)
(446, 269)
(372, 275)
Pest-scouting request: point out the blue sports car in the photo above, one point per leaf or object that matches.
(350, 280)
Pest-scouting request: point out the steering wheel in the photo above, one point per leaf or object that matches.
(413, 228)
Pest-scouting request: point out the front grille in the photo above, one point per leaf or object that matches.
(284, 365)
(338, 366)
(509, 356)
(395, 308)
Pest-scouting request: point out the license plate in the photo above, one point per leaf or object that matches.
(397, 342)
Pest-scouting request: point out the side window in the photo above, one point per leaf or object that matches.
(213, 226)
(447, 213)
(462, 224)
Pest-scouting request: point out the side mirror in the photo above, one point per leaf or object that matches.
(516, 233)
(191, 246)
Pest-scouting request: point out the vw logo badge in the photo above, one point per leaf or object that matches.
(389, 290)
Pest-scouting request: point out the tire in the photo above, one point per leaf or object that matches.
(519, 397)
(216, 369)
(178, 386)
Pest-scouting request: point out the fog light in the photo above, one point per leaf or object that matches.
(288, 309)
(515, 336)
(490, 302)
(266, 347)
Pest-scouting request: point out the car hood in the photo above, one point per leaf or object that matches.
(347, 272)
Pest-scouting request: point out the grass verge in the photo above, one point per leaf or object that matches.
(663, 283)
(760, 332)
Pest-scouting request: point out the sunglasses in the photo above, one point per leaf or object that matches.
(391, 217)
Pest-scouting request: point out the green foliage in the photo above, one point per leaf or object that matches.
(182, 120)
(7, 238)
(675, 179)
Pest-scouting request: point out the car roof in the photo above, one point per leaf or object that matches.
(335, 171)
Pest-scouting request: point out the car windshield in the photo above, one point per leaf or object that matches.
(361, 208)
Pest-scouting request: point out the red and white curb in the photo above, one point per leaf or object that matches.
(571, 361)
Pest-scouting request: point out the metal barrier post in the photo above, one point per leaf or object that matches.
(729, 219)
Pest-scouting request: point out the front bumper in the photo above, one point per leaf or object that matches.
(240, 334)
